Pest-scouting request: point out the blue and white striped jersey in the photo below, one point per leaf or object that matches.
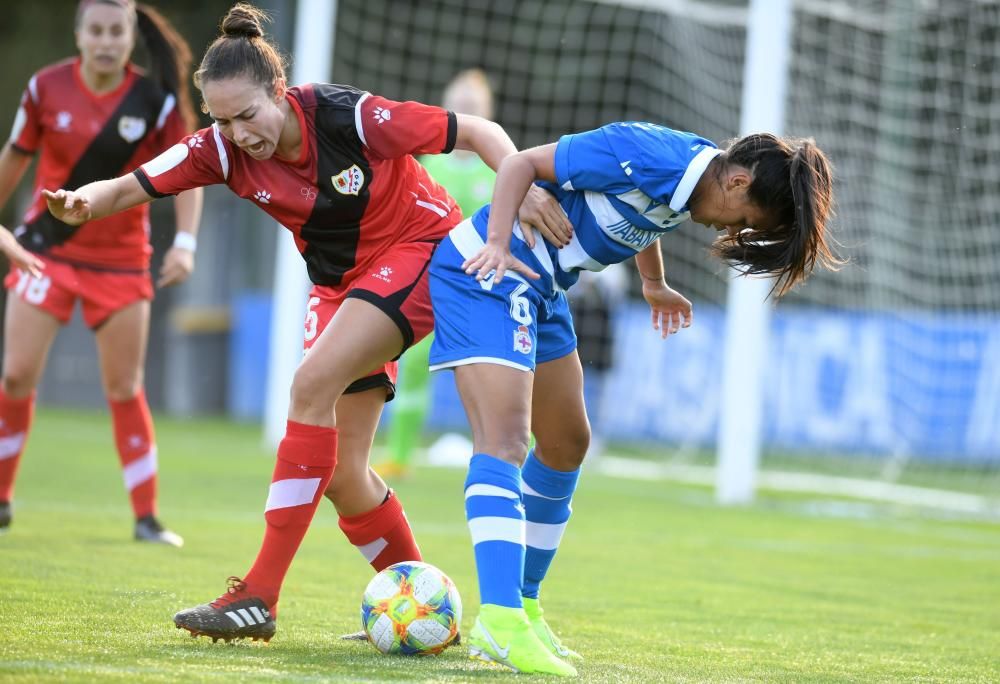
(622, 185)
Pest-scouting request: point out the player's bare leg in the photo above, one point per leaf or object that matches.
(358, 339)
(497, 400)
(121, 349)
(558, 413)
(28, 335)
(370, 515)
(355, 487)
(562, 436)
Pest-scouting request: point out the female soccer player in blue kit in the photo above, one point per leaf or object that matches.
(508, 334)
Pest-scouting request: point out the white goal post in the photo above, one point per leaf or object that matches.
(748, 314)
(315, 27)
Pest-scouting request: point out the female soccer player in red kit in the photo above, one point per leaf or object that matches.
(335, 166)
(87, 118)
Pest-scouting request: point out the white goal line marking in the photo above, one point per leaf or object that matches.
(616, 466)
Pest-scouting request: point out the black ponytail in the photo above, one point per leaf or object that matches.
(793, 184)
(170, 59)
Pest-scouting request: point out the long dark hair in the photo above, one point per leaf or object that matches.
(170, 58)
(169, 54)
(793, 183)
(242, 50)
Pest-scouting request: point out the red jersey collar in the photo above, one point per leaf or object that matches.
(117, 92)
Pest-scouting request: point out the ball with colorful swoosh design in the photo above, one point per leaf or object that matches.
(411, 608)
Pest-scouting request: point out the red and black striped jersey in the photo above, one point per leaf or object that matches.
(81, 137)
(355, 188)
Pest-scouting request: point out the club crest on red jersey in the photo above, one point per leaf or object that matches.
(63, 121)
(348, 181)
(131, 128)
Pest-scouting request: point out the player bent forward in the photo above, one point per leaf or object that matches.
(507, 332)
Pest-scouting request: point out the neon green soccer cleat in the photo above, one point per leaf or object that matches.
(533, 609)
(504, 635)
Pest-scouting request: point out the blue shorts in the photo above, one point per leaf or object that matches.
(509, 323)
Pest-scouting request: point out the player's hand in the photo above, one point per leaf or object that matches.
(178, 263)
(68, 206)
(18, 255)
(541, 210)
(671, 311)
(496, 259)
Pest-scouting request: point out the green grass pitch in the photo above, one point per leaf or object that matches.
(653, 581)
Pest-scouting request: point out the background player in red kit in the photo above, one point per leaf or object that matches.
(334, 165)
(87, 118)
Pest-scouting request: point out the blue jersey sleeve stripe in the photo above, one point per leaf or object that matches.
(562, 162)
(587, 161)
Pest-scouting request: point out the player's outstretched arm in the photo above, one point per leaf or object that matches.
(670, 310)
(96, 200)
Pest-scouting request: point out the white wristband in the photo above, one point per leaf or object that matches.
(185, 241)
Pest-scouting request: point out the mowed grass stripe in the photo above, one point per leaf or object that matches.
(653, 583)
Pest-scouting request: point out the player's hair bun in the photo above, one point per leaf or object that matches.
(244, 21)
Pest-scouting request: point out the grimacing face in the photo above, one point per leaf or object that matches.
(105, 37)
(246, 114)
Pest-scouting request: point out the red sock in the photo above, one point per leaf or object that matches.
(383, 534)
(306, 459)
(136, 451)
(15, 421)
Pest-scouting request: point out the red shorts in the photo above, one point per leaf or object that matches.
(398, 285)
(101, 292)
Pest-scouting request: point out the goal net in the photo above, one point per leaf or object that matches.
(890, 368)
(905, 97)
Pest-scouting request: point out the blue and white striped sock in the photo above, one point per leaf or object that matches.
(548, 495)
(496, 520)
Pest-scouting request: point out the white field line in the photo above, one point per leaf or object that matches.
(616, 466)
